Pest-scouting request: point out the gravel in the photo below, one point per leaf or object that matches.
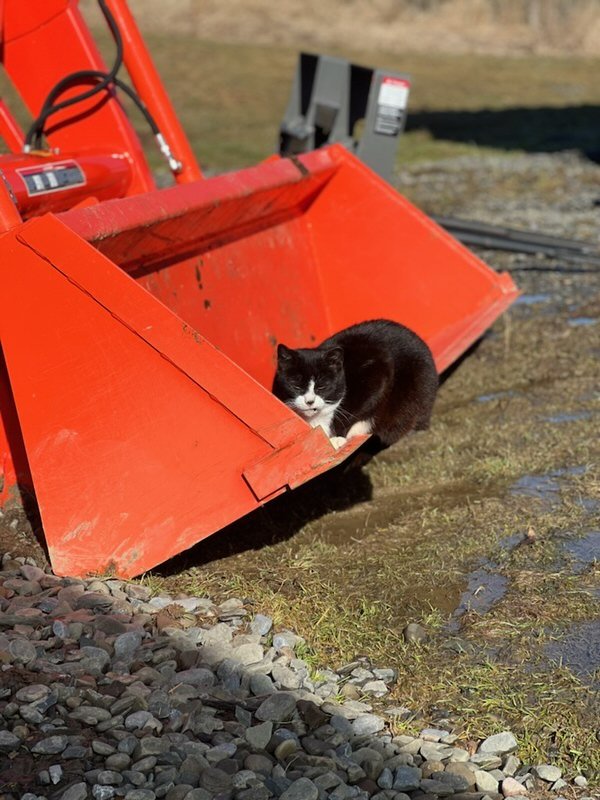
(98, 700)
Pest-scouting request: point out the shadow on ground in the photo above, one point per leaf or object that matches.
(280, 519)
(540, 130)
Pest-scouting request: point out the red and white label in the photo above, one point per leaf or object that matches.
(393, 92)
(55, 177)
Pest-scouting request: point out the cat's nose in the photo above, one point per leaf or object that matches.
(309, 402)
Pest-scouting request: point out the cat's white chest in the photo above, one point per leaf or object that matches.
(324, 418)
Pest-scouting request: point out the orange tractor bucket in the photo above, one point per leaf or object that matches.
(139, 338)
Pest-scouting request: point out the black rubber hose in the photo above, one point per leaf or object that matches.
(36, 130)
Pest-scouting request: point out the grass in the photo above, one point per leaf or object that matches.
(231, 98)
(351, 580)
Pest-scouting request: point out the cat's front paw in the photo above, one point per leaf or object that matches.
(338, 441)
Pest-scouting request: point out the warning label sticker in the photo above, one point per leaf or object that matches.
(391, 105)
(54, 177)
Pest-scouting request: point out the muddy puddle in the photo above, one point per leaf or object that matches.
(582, 322)
(558, 419)
(578, 650)
(583, 551)
(532, 299)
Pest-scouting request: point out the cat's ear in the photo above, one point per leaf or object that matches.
(335, 357)
(284, 354)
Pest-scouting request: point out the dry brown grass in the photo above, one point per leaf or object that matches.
(501, 27)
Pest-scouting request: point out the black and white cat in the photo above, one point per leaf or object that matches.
(376, 377)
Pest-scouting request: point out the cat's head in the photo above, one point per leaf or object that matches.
(310, 380)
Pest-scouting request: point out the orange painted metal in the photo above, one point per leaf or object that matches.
(148, 84)
(104, 176)
(53, 34)
(138, 327)
(138, 430)
(293, 250)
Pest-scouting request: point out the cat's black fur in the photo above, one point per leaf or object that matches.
(380, 370)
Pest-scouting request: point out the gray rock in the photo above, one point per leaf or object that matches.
(8, 741)
(137, 591)
(407, 779)
(261, 684)
(248, 653)
(215, 781)
(142, 720)
(485, 782)
(385, 779)
(414, 633)
(159, 603)
(435, 752)
(50, 746)
(32, 693)
(102, 748)
(547, 772)
(200, 794)
(74, 751)
(56, 772)
(409, 744)
(22, 651)
(512, 788)
(486, 760)
(433, 734)
(342, 725)
(511, 765)
(144, 764)
(376, 688)
(301, 789)
(367, 724)
(189, 604)
(103, 792)
(109, 777)
(118, 761)
(258, 737)
(254, 793)
(436, 787)
(286, 639)
(370, 760)
(386, 675)
(258, 763)
(285, 677)
(191, 769)
(459, 781)
(261, 624)
(200, 677)
(78, 791)
(31, 714)
(95, 660)
(219, 634)
(126, 644)
(277, 707)
(499, 744)
(463, 771)
(581, 781)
